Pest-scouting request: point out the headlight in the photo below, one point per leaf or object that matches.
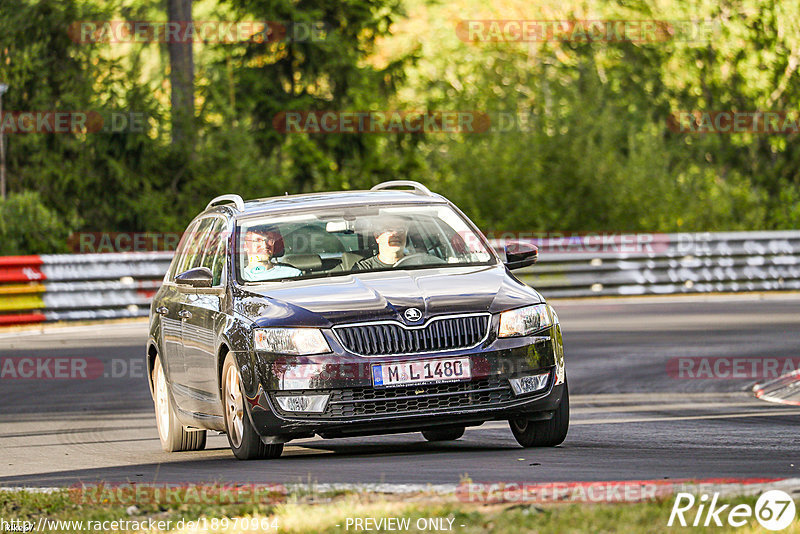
(525, 321)
(297, 341)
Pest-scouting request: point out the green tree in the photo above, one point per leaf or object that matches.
(27, 226)
(320, 63)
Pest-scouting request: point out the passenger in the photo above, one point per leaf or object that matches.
(260, 247)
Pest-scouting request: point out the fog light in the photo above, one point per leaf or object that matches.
(303, 403)
(529, 384)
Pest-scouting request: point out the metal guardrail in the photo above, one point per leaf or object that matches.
(658, 264)
(68, 287)
(101, 286)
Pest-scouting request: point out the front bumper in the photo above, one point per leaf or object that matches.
(355, 407)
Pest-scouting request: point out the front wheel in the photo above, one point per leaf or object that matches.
(170, 431)
(245, 442)
(544, 433)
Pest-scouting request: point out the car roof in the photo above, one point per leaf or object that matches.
(330, 200)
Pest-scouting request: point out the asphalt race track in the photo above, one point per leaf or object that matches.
(631, 419)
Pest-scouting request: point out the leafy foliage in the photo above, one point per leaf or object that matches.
(27, 226)
(579, 137)
(589, 146)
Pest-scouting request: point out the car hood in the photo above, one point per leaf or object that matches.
(384, 295)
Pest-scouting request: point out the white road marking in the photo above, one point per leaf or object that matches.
(687, 417)
(494, 425)
(138, 326)
(662, 407)
(657, 397)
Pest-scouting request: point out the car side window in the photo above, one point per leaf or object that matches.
(177, 259)
(215, 249)
(193, 250)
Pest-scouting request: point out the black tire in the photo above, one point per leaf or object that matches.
(245, 442)
(544, 433)
(443, 434)
(171, 433)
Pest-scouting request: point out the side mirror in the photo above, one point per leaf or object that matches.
(197, 277)
(519, 254)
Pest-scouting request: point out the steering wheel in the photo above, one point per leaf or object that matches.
(419, 258)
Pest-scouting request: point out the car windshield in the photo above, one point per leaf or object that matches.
(355, 239)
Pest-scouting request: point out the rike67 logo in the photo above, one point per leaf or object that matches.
(774, 510)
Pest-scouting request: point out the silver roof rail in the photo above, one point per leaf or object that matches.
(418, 187)
(236, 199)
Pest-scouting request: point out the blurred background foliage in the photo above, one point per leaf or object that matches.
(589, 149)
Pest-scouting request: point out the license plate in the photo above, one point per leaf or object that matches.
(421, 372)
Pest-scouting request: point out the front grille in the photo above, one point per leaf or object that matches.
(492, 392)
(446, 333)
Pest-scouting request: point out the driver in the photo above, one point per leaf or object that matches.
(390, 234)
(260, 248)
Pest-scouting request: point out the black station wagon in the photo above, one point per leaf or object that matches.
(346, 314)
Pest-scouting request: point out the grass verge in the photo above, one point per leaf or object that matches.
(346, 511)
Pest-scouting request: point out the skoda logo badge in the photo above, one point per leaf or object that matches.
(412, 315)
